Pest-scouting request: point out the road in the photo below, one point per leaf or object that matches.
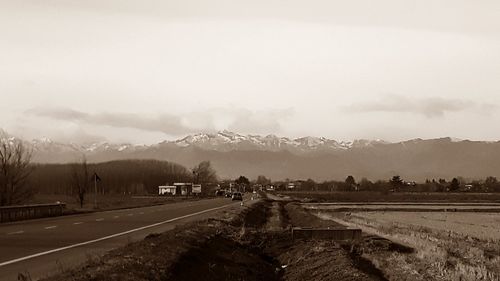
(45, 246)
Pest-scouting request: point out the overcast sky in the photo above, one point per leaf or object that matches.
(144, 71)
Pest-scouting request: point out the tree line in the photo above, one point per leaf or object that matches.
(118, 177)
(394, 184)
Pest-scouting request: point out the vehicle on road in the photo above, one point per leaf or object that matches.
(237, 196)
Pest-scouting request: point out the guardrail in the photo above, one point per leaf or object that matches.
(25, 212)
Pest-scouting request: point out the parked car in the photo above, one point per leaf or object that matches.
(237, 196)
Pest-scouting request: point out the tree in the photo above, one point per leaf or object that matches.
(491, 184)
(15, 168)
(242, 182)
(309, 184)
(81, 180)
(396, 182)
(350, 183)
(382, 186)
(455, 184)
(350, 180)
(262, 180)
(365, 184)
(204, 173)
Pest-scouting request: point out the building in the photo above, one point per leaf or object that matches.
(183, 188)
(196, 189)
(167, 190)
(179, 188)
(294, 185)
(227, 185)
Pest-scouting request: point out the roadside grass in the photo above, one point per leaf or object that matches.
(440, 254)
(106, 201)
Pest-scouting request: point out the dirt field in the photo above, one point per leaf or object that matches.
(484, 226)
(366, 196)
(406, 207)
(448, 246)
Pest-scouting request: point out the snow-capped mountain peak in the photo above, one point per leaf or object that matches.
(219, 141)
(226, 140)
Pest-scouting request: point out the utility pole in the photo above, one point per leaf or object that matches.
(96, 179)
(95, 191)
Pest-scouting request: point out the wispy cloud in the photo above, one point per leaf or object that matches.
(237, 119)
(241, 119)
(165, 123)
(429, 107)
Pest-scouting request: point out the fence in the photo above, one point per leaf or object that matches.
(17, 213)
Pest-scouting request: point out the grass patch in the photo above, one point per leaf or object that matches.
(439, 254)
(106, 201)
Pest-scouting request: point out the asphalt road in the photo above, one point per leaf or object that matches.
(45, 246)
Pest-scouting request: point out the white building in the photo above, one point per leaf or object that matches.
(166, 189)
(196, 189)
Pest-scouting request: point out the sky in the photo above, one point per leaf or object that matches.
(147, 71)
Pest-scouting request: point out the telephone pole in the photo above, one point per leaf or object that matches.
(95, 191)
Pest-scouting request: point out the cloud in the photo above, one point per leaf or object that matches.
(241, 120)
(237, 119)
(58, 113)
(429, 107)
(165, 123)
(260, 121)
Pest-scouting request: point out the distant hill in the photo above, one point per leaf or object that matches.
(309, 157)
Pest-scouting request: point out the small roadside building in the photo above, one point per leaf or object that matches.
(196, 189)
(167, 190)
(183, 188)
(294, 185)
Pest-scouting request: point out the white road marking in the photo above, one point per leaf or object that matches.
(101, 219)
(141, 213)
(51, 227)
(78, 222)
(109, 236)
(115, 217)
(16, 232)
(130, 215)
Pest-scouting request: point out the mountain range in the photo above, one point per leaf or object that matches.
(318, 158)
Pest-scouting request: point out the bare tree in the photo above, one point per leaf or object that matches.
(262, 180)
(15, 168)
(81, 180)
(204, 173)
